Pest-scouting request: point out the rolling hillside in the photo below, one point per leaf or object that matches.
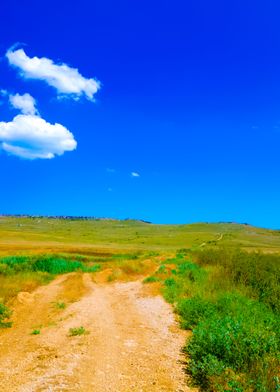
(29, 234)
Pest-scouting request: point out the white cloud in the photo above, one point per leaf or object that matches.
(3, 92)
(66, 80)
(29, 136)
(135, 174)
(25, 103)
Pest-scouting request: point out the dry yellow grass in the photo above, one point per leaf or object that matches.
(11, 285)
(73, 288)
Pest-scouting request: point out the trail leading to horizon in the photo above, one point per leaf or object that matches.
(133, 341)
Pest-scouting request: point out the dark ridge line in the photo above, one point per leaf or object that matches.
(72, 217)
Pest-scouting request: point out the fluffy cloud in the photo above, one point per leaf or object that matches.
(30, 136)
(25, 103)
(134, 174)
(66, 80)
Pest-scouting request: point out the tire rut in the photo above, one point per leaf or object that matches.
(133, 343)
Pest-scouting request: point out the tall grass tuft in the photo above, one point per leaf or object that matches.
(5, 314)
(53, 265)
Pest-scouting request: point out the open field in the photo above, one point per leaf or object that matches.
(28, 235)
(83, 301)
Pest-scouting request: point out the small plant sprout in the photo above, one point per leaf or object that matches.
(77, 331)
(36, 332)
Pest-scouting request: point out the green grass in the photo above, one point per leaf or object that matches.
(111, 237)
(257, 273)
(36, 332)
(60, 305)
(151, 279)
(223, 290)
(5, 314)
(230, 300)
(52, 265)
(25, 273)
(77, 331)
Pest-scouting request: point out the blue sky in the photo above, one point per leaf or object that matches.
(189, 99)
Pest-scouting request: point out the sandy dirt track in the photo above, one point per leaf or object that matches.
(133, 344)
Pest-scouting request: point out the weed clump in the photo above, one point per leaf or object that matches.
(77, 331)
(60, 305)
(36, 332)
(5, 314)
(151, 279)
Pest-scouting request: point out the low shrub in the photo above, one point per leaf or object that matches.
(5, 314)
(235, 345)
(194, 310)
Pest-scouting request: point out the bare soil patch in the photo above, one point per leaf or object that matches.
(133, 342)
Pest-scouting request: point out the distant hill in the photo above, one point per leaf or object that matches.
(89, 235)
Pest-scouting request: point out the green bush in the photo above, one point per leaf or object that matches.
(191, 271)
(171, 290)
(230, 301)
(236, 345)
(5, 314)
(193, 310)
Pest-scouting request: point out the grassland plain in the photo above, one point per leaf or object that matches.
(222, 279)
(29, 235)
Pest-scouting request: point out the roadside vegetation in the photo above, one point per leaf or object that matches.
(25, 273)
(224, 285)
(230, 300)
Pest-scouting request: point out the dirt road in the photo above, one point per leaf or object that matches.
(133, 342)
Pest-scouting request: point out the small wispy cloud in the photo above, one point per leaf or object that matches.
(135, 174)
(4, 92)
(109, 170)
(66, 80)
(25, 103)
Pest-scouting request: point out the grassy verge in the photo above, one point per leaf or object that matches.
(25, 273)
(230, 300)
